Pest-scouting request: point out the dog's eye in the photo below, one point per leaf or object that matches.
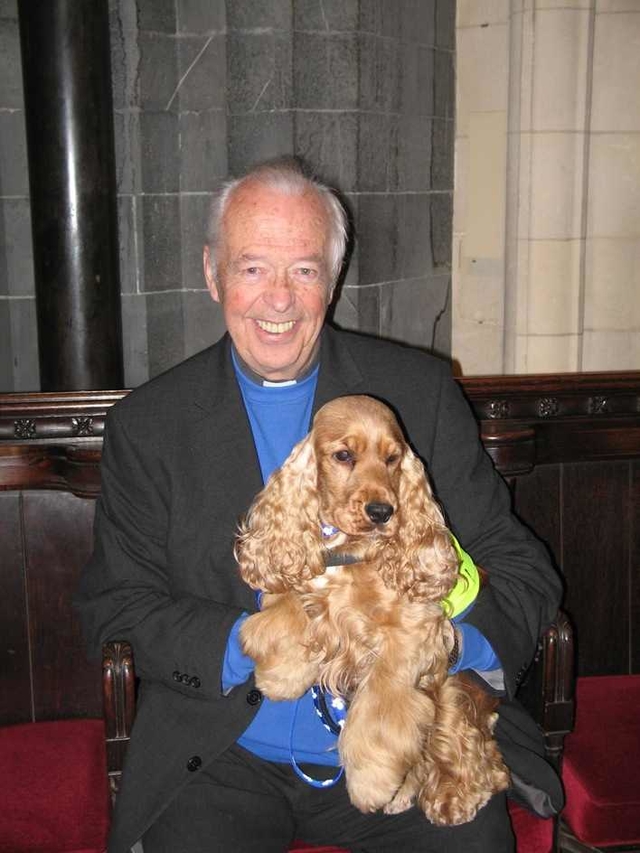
(392, 458)
(343, 456)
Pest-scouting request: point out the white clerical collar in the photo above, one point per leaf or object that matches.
(266, 383)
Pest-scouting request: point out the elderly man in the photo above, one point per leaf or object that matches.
(212, 764)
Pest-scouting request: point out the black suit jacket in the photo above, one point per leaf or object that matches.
(179, 468)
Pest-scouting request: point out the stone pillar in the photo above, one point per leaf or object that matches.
(68, 110)
(611, 336)
(547, 224)
(547, 186)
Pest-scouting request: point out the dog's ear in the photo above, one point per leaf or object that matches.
(278, 545)
(420, 561)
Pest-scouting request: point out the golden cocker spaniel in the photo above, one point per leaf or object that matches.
(371, 629)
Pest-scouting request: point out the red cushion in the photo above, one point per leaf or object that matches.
(601, 769)
(55, 793)
(533, 835)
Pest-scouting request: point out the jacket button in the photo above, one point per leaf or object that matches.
(254, 697)
(194, 763)
(184, 678)
(195, 681)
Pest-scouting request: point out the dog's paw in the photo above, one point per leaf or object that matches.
(368, 792)
(402, 802)
(282, 683)
(277, 688)
(253, 639)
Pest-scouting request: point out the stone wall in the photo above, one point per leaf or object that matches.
(362, 89)
(18, 345)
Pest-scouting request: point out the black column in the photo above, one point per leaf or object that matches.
(69, 121)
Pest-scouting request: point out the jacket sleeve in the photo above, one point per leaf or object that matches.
(179, 639)
(524, 589)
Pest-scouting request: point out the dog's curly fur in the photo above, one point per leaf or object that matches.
(373, 632)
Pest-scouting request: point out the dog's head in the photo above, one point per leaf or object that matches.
(359, 451)
(355, 473)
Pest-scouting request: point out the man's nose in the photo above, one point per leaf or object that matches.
(279, 294)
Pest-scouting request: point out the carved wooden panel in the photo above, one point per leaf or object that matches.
(595, 560)
(53, 441)
(15, 690)
(634, 566)
(46, 538)
(588, 516)
(57, 534)
(537, 501)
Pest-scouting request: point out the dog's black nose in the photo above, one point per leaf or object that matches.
(379, 513)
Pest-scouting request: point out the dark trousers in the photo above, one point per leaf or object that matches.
(241, 804)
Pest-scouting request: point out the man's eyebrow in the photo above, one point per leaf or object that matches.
(244, 259)
(248, 257)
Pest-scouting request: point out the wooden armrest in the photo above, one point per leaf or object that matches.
(548, 691)
(119, 701)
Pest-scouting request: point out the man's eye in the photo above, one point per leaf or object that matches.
(392, 458)
(307, 272)
(343, 456)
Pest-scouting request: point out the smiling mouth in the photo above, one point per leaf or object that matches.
(276, 328)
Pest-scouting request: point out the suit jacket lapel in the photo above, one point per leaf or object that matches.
(219, 401)
(222, 435)
(339, 374)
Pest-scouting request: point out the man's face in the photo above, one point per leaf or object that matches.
(273, 278)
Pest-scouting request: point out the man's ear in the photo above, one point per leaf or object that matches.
(209, 274)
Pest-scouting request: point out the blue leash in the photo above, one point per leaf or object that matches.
(331, 726)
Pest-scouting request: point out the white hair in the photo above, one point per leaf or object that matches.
(286, 175)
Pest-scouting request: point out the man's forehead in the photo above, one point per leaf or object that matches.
(285, 219)
(258, 199)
